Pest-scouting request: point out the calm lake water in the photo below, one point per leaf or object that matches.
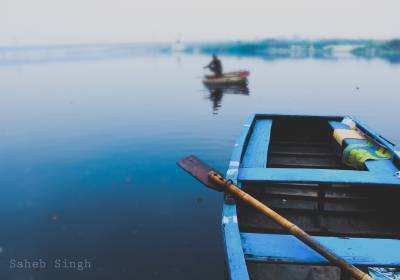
(88, 152)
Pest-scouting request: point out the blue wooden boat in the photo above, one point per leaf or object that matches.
(297, 166)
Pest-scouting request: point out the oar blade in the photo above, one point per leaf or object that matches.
(199, 170)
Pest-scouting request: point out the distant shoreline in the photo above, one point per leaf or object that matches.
(322, 49)
(267, 49)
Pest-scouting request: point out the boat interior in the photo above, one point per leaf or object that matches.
(330, 209)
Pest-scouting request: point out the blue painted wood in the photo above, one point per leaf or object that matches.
(257, 148)
(242, 140)
(303, 175)
(383, 166)
(294, 116)
(235, 261)
(336, 124)
(232, 239)
(287, 248)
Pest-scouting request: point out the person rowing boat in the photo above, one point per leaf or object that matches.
(215, 66)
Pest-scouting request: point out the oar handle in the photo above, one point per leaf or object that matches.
(292, 228)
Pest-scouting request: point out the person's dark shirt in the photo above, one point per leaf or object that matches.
(215, 66)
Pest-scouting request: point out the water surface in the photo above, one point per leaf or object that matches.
(88, 152)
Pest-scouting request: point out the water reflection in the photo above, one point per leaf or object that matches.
(77, 152)
(216, 93)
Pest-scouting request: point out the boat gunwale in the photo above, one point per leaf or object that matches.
(235, 259)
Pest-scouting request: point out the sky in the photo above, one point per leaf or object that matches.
(107, 21)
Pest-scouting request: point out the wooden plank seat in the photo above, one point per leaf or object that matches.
(257, 147)
(297, 175)
(288, 249)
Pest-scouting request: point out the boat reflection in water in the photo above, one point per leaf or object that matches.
(230, 82)
(216, 92)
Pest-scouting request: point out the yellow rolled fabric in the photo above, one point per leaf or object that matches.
(341, 133)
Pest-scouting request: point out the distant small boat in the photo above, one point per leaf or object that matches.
(228, 78)
(333, 176)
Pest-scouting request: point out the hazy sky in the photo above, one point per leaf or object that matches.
(78, 21)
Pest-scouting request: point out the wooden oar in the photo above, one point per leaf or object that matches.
(212, 179)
